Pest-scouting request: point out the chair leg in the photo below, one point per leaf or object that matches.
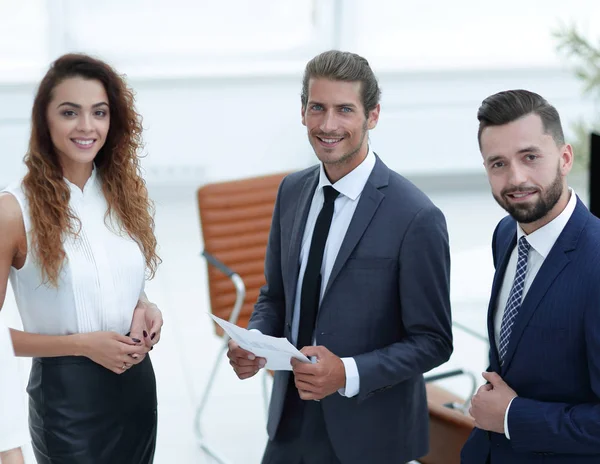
(198, 419)
(265, 393)
(213, 454)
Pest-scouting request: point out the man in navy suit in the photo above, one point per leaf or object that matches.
(541, 402)
(357, 270)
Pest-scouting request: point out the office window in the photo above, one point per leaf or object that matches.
(156, 36)
(23, 37)
(467, 34)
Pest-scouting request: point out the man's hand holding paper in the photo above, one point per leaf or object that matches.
(245, 364)
(322, 378)
(249, 351)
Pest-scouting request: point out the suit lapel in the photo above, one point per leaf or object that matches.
(553, 265)
(368, 203)
(298, 227)
(507, 246)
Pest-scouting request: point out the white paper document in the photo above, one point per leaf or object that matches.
(277, 351)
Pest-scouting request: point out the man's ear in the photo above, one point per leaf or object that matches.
(566, 159)
(373, 118)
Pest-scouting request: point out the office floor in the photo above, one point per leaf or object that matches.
(234, 420)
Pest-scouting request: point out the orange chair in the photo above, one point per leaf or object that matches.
(235, 217)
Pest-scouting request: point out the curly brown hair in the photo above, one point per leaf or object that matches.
(117, 164)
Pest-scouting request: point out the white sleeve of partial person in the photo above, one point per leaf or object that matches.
(14, 431)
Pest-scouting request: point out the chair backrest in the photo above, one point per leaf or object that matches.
(235, 218)
(448, 428)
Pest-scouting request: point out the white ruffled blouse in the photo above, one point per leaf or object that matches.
(102, 277)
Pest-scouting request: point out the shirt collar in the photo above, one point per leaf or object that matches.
(544, 238)
(88, 184)
(352, 184)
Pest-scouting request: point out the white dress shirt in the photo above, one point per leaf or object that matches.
(14, 431)
(350, 187)
(102, 278)
(541, 241)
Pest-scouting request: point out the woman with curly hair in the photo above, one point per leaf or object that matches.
(77, 244)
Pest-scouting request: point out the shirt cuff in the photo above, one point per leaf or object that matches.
(352, 378)
(506, 420)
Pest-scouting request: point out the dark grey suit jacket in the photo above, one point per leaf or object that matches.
(386, 304)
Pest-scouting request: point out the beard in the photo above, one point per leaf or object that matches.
(532, 212)
(346, 157)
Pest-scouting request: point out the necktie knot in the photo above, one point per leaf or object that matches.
(524, 245)
(330, 193)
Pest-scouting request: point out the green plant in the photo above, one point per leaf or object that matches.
(585, 59)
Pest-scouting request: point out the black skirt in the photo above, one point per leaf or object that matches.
(82, 413)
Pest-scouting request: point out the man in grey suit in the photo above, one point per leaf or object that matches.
(357, 270)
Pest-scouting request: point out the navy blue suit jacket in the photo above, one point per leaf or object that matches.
(553, 357)
(386, 304)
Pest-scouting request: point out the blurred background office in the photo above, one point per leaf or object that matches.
(218, 85)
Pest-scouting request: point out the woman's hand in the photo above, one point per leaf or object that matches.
(147, 323)
(154, 322)
(113, 351)
(139, 329)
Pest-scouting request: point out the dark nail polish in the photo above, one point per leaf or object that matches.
(136, 340)
(145, 334)
(152, 337)
(151, 348)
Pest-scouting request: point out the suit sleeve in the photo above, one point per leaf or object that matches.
(269, 312)
(424, 286)
(563, 428)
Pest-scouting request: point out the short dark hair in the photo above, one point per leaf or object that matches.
(510, 105)
(343, 66)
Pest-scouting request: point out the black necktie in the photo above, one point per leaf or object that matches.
(311, 283)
